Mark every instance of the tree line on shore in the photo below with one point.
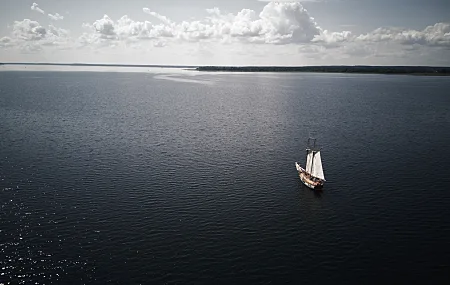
(426, 70)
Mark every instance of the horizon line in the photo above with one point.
(193, 66)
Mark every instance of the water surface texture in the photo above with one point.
(128, 178)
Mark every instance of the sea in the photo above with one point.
(173, 176)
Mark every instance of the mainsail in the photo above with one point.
(317, 170)
(309, 161)
(314, 164)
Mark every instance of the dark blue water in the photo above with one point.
(128, 178)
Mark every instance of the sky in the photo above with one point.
(244, 32)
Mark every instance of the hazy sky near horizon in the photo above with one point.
(246, 32)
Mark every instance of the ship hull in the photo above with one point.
(315, 185)
(310, 184)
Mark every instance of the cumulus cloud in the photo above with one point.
(333, 39)
(35, 7)
(437, 35)
(105, 27)
(55, 17)
(28, 30)
(279, 23)
(101, 33)
(6, 42)
(292, 1)
(105, 32)
(288, 21)
(56, 36)
(30, 36)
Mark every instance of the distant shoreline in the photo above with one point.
(412, 70)
(356, 69)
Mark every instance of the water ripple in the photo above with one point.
(126, 178)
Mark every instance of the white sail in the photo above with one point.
(309, 161)
(317, 170)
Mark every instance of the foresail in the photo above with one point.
(309, 161)
(317, 170)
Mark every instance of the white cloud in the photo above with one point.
(162, 18)
(30, 36)
(105, 28)
(286, 23)
(28, 30)
(292, 1)
(278, 23)
(437, 35)
(280, 31)
(6, 42)
(56, 17)
(106, 32)
(35, 7)
(213, 11)
(56, 36)
(100, 33)
(333, 39)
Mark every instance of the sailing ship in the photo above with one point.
(312, 175)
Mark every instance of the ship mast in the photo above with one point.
(312, 157)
